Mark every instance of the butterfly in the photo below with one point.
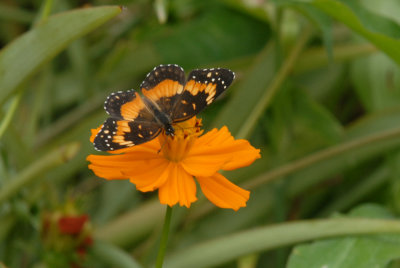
(168, 98)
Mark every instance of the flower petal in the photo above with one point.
(179, 187)
(148, 175)
(140, 161)
(222, 192)
(243, 155)
(200, 165)
(107, 172)
(238, 153)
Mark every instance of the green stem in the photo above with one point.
(315, 58)
(164, 238)
(322, 155)
(356, 193)
(10, 113)
(31, 173)
(275, 85)
(46, 10)
(160, 7)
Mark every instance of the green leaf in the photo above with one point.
(374, 123)
(346, 252)
(113, 256)
(323, 21)
(215, 36)
(387, 8)
(346, 15)
(377, 81)
(371, 211)
(31, 173)
(371, 138)
(120, 231)
(301, 126)
(218, 251)
(360, 251)
(23, 57)
(314, 119)
(116, 195)
(372, 20)
(255, 94)
(257, 80)
(358, 192)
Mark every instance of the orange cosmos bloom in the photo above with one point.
(170, 163)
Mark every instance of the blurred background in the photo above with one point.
(317, 90)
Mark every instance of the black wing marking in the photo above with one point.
(119, 134)
(161, 73)
(115, 100)
(201, 89)
(104, 138)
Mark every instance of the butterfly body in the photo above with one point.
(163, 119)
(168, 98)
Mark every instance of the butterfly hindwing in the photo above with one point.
(136, 132)
(118, 134)
(104, 138)
(201, 89)
(127, 105)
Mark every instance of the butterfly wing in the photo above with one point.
(120, 134)
(130, 122)
(163, 85)
(201, 89)
(115, 100)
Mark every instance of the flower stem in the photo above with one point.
(10, 113)
(31, 173)
(164, 238)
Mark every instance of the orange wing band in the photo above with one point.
(130, 110)
(166, 88)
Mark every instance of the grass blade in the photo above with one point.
(44, 42)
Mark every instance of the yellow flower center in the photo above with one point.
(175, 148)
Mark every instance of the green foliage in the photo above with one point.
(317, 90)
(360, 251)
(214, 252)
(31, 50)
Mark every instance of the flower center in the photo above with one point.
(175, 148)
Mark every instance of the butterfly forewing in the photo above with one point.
(163, 84)
(201, 89)
(115, 100)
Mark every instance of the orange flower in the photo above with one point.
(170, 163)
